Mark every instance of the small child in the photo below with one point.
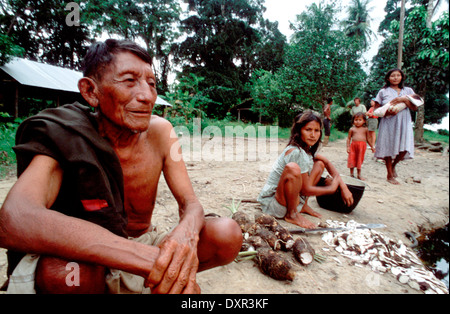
(358, 137)
(394, 109)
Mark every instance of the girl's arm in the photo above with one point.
(310, 189)
(349, 140)
(347, 196)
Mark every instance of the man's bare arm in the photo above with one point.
(27, 225)
(177, 266)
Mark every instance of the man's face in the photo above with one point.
(127, 92)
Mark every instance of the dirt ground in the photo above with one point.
(420, 203)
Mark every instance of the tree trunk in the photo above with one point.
(418, 128)
(420, 116)
(400, 36)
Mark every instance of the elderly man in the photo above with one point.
(84, 199)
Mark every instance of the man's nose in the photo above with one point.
(145, 93)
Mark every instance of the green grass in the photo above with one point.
(431, 136)
(283, 133)
(8, 132)
(7, 141)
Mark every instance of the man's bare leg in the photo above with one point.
(220, 242)
(54, 277)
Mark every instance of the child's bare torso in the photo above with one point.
(359, 134)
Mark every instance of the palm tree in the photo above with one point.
(357, 24)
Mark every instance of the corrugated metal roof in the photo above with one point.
(31, 73)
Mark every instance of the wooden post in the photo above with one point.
(400, 36)
(16, 102)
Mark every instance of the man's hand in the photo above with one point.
(176, 267)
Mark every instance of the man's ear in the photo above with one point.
(89, 90)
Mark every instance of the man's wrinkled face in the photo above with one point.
(127, 92)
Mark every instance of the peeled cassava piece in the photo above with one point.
(303, 251)
(286, 239)
(275, 265)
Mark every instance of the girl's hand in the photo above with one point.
(334, 184)
(347, 196)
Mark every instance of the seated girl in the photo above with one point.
(296, 173)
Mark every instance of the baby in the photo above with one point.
(394, 109)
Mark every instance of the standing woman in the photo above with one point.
(395, 140)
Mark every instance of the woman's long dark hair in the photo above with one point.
(299, 123)
(386, 78)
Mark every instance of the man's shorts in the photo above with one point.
(22, 280)
(327, 126)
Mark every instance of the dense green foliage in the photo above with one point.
(425, 59)
(224, 53)
(7, 140)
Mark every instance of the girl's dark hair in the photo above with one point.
(386, 78)
(101, 54)
(300, 121)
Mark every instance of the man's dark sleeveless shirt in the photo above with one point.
(92, 186)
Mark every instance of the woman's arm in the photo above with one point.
(405, 100)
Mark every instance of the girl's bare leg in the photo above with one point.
(359, 174)
(316, 173)
(288, 192)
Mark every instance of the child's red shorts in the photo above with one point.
(356, 155)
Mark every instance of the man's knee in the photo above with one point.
(223, 236)
(58, 276)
